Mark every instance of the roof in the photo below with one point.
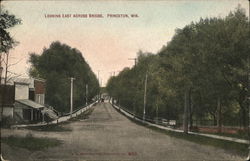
(30, 103)
(14, 80)
(22, 80)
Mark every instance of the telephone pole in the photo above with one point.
(145, 97)
(134, 99)
(99, 85)
(71, 95)
(135, 59)
(111, 74)
(248, 89)
(86, 94)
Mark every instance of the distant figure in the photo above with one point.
(102, 99)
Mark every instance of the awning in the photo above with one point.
(30, 104)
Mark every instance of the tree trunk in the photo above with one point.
(243, 114)
(244, 119)
(185, 116)
(1, 69)
(190, 109)
(243, 108)
(3, 90)
(2, 94)
(215, 121)
(219, 120)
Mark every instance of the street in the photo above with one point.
(108, 135)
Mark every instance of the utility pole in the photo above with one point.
(99, 84)
(145, 97)
(248, 89)
(71, 95)
(111, 74)
(86, 94)
(135, 59)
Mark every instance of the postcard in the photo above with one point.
(125, 80)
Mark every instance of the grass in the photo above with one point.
(82, 116)
(50, 128)
(239, 135)
(31, 143)
(232, 147)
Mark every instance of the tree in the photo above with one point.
(56, 65)
(206, 62)
(6, 43)
(7, 21)
(215, 60)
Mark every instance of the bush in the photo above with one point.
(194, 129)
(7, 122)
(243, 133)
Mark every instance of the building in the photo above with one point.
(25, 101)
(8, 99)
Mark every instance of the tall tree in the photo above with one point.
(206, 61)
(7, 21)
(56, 65)
(7, 42)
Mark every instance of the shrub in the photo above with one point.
(7, 122)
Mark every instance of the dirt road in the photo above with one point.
(108, 135)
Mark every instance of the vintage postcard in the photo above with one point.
(125, 80)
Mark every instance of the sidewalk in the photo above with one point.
(242, 141)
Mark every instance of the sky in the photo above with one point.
(106, 43)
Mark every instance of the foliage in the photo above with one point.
(56, 65)
(50, 128)
(7, 21)
(7, 122)
(209, 59)
(31, 143)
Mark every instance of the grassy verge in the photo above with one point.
(239, 135)
(83, 116)
(231, 147)
(31, 143)
(51, 128)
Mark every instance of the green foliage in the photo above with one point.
(56, 65)
(6, 122)
(31, 143)
(208, 58)
(50, 128)
(7, 21)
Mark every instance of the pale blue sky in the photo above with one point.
(106, 43)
